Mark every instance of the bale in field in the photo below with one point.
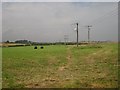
(35, 47)
(41, 47)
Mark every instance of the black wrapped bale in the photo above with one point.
(41, 47)
(35, 47)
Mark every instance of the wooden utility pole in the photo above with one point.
(77, 34)
(76, 29)
(89, 33)
(65, 39)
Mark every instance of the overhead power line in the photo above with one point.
(103, 17)
(99, 19)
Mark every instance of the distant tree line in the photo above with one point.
(27, 42)
(23, 41)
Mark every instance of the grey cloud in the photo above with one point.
(0, 22)
(47, 22)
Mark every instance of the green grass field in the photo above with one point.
(60, 66)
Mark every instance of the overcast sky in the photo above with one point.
(50, 21)
(60, 0)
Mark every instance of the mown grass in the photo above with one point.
(60, 66)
